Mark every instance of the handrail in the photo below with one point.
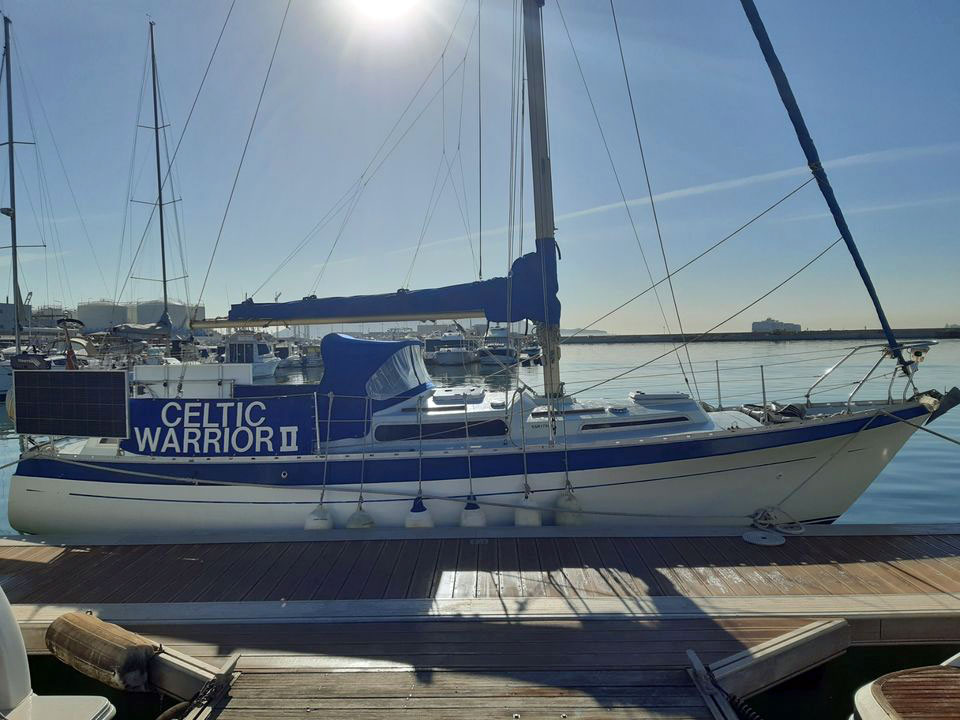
(918, 345)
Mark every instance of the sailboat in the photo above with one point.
(376, 443)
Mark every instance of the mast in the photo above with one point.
(813, 161)
(548, 332)
(165, 318)
(11, 212)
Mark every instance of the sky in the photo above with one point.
(875, 79)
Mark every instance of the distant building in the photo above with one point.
(149, 311)
(431, 328)
(46, 316)
(581, 331)
(8, 317)
(104, 314)
(99, 315)
(770, 325)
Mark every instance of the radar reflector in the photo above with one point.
(78, 403)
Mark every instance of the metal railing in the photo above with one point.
(917, 350)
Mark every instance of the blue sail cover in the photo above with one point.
(360, 377)
(528, 299)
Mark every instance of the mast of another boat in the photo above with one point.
(11, 211)
(165, 318)
(548, 331)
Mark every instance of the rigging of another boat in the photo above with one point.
(375, 442)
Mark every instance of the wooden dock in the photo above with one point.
(449, 623)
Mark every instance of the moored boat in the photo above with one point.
(375, 439)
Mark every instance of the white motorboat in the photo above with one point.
(448, 349)
(253, 349)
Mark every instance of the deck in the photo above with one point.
(444, 623)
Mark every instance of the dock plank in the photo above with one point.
(424, 580)
(379, 579)
(509, 574)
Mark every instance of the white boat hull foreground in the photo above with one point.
(814, 481)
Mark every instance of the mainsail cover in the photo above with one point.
(523, 295)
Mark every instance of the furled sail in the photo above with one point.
(523, 295)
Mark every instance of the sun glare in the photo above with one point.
(383, 10)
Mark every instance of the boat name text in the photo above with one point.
(229, 426)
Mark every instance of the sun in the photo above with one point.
(383, 10)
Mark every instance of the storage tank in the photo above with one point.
(103, 314)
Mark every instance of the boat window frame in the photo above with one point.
(493, 427)
(637, 422)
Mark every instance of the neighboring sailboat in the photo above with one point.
(6, 369)
(375, 437)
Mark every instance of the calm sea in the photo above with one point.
(919, 484)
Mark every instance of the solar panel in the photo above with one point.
(81, 403)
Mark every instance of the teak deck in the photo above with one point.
(517, 621)
(482, 568)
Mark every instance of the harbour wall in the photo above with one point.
(858, 335)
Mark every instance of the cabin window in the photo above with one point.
(402, 371)
(494, 427)
(240, 353)
(634, 423)
(262, 349)
(575, 411)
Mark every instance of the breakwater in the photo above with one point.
(858, 335)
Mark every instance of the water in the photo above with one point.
(918, 486)
(826, 691)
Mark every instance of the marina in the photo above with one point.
(346, 495)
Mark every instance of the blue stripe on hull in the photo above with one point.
(392, 469)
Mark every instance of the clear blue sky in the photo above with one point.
(877, 81)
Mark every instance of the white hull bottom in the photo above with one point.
(718, 490)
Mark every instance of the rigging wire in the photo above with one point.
(128, 194)
(459, 161)
(176, 149)
(45, 198)
(56, 147)
(243, 155)
(427, 216)
(653, 206)
(479, 144)
(616, 175)
(362, 183)
(369, 171)
(691, 261)
(178, 219)
(725, 320)
(350, 207)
